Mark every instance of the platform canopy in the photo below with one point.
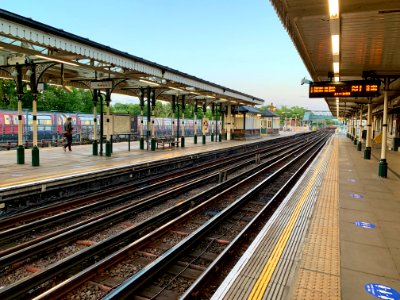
(79, 61)
(360, 40)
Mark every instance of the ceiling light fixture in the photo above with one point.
(336, 67)
(174, 88)
(149, 82)
(334, 9)
(57, 60)
(335, 44)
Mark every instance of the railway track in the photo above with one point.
(26, 197)
(121, 199)
(148, 228)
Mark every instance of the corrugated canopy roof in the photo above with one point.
(77, 61)
(369, 41)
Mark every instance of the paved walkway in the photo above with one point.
(368, 255)
(54, 162)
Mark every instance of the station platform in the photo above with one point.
(336, 236)
(55, 163)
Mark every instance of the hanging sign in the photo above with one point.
(205, 125)
(101, 85)
(355, 88)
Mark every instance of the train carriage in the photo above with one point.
(51, 126)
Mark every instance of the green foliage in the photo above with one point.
(133, 109)
(56, 98)
(290, 112)
(162, 110)
(8, 96)
(52, 98)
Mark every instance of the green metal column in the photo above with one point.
(108, 135)
(173, 106)
(195, 122)
(153, 107)
(35, 149)
(229, 122)
(183, 121)
(203, 127)
(141, 97)
(20, 92)
(212, 119)
(101, 137)
(220, 123)
(95, 146)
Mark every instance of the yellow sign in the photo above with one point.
(205, 125)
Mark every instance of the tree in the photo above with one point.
(294, 112)
(8, 95)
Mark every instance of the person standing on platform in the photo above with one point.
(68, 133)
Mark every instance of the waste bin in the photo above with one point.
(396, 143)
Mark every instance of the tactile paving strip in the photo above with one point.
(266, 269)
(319, 271)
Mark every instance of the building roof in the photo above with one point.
(268, 113)
(248, 109)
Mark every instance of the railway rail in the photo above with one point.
(110, 250)
(26, 197)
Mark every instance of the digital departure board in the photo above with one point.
(355, 88)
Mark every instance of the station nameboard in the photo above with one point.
(354, 88)
(101, 84)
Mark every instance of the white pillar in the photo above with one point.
(369, 127)
(360, 126)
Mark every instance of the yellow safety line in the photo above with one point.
(266, 274)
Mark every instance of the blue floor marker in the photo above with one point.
(382, 291)
(358, 196)
(364, 224)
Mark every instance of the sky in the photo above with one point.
(239, 44)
